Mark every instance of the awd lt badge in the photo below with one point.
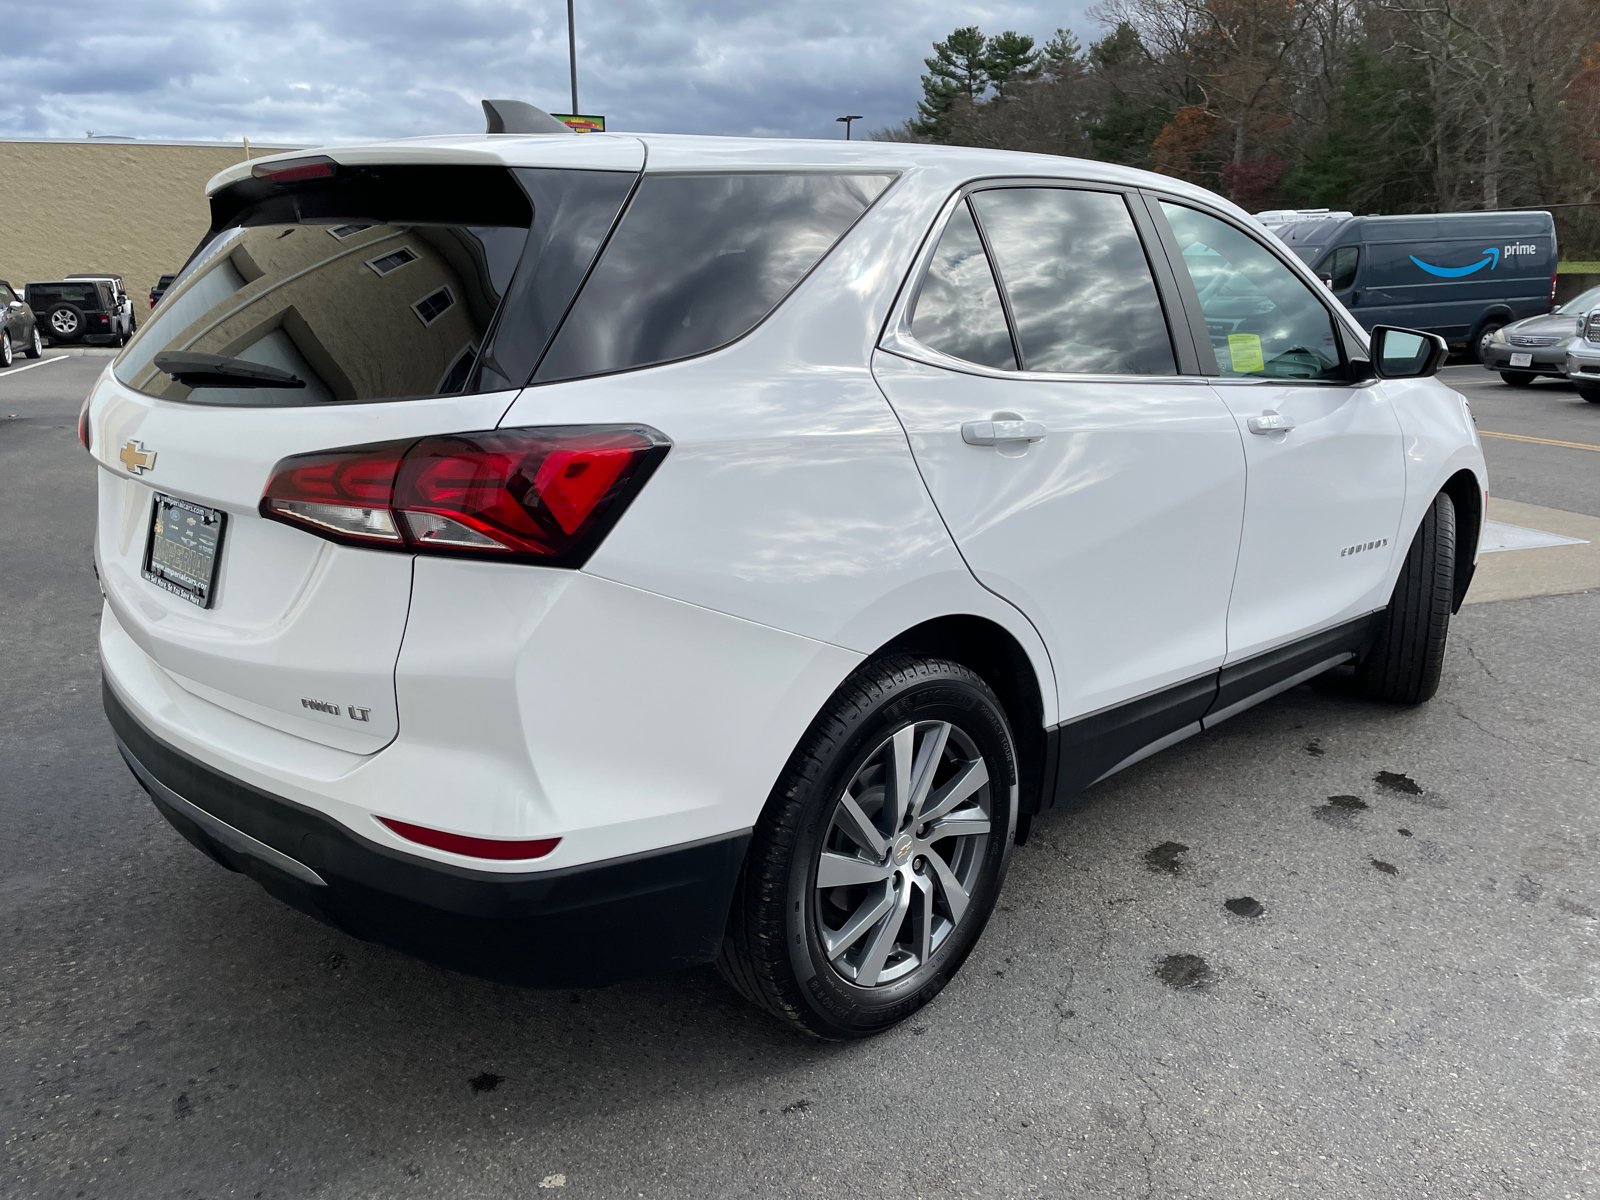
(136, 458)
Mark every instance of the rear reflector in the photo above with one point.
(530, 495)
(472, 847)
(294, 169)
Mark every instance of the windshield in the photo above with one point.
(1307, 254)
(1581, 303)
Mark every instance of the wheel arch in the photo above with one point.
(991, 650)
(1466, 494)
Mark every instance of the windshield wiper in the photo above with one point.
(213, 370)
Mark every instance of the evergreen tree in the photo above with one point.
(958, 68)
(1010, 60)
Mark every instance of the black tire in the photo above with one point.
(65, 322)
(774, 954)
(34, 348)
(1479, 345)
(1592, 395)
(1405, 662)
(1517, 378)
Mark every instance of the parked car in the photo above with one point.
(18, 328)
(77, 310)
(160, 288)
(1460, 275)
(1583, 356)
(1534, 346)
(126, 323)
(603, 565)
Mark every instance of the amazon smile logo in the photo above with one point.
(1491, 260)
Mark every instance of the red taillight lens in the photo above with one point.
(85, 430)
(295, 169)
(1554, 279)
(541, 495)
(473, 847)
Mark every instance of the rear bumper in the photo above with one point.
(581, 926)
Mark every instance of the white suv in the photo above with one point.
(568, 558)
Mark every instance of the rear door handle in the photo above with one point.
(1270, 422)
(990, 433)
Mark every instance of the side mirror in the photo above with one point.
(1407, 353)
(1327, 279)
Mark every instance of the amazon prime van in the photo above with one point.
(1460, 275)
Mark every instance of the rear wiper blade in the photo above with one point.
(214, 370)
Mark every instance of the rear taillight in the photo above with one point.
(85, 430)
(472, 847)
(1553, 280)
(528, 495)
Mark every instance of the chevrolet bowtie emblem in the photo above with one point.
(136, 458)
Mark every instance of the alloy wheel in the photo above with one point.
(7, 356)
(903, 852)
(64, 322)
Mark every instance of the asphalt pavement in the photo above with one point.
(1411, 1012)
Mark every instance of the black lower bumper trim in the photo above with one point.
(580, 926)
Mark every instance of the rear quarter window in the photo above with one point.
(697, 261)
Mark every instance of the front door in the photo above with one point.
(1082, 477)
(1325, 464)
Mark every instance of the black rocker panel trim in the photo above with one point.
(1081, 751)
(1090, 746)
(1241, 680)
(581, 926)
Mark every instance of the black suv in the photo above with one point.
(77, 310)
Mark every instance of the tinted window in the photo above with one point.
(1342, 264)
(1262, 319)
(699, 260)
(1080, 288)
(414, 304)
(5, 294)
(958, 308)
(290, 296)
(83, 295)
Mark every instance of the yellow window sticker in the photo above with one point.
(1245, 351)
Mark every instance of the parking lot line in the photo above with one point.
(31, 366)
(1522, 437)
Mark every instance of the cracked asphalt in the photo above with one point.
(1329, 949)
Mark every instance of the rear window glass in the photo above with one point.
(81, 294)
(698, 261)
(367, 290)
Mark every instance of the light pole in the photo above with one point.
(572, 57)
(845, 120)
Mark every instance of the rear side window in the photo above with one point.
(1081, 292)
(698, 261)
(1263, 321)
(958, 310)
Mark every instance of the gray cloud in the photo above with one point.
(297, 72)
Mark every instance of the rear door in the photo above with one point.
(1083, 476)
(1326, 469)
(377, 329)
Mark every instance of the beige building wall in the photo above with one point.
(134, 209)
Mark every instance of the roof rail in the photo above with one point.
(518, 116)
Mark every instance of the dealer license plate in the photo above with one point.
(181, 556)
(1522, 360)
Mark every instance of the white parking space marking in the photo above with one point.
(43, 363)
(1497, 536)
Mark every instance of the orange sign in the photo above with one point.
(581, 123)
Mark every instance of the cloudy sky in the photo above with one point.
(297, 72)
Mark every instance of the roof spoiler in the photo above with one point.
(518, 116)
